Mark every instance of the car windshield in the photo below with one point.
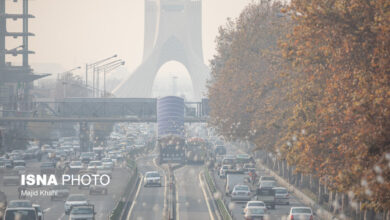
(14, 204)
(82, 211)
(268, 183)
(301, 211)
(48, 164)
(152, 175)
(250, 204)
(241, 188)
(77, 198)
(76, 163)
(281, 191)
(256, 211)
(20, 215)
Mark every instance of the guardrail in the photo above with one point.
(122, 207)
(224, 212)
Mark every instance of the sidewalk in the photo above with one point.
(322, 213)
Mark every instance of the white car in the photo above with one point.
(74, 200)
(94, 165)
(20, 169)
(86, 212)
(301, 213)
(223, 170)
(260, 204)
(108, 163)
(241, 193)
(152, 178)
(76, 164)
(281, 196)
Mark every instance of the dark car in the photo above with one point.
(48, 168)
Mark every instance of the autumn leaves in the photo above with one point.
(321, 67)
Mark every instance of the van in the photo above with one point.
(233, 179)
(22, 213)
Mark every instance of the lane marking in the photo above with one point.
(165, 184)
(177, 200)
(62, 216)
(135, 198)
(206, 198)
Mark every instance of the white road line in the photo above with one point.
(177, 203)
(63, 215)
(135, 198)
(206, 198)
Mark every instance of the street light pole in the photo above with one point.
(107, 68)
(93, 65)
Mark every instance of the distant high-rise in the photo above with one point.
(173, 31)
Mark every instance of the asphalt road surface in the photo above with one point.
(191, 203)
(149, 201)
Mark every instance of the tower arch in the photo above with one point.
(172, 32)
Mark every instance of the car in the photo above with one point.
(20, 213)
(86, 157)
(19, 163)
(48, 168)
(60, 192)
(98, 189)
(241, 193)
(228, 161)
(243, 158)
(152, 178)
(220, 150)
(76, 165)
(223, 170)
(281, 196)
(11, 178)
(20, 169)
(94, 165)
(267, 195)
(74, 199)
(300, 213)
(249, 204)
(255, 213)
(108, 163)
(266, 178)
(81, 212)
(267, 184)
(19, 204)
(39, 211)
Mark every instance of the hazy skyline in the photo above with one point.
(75, 32)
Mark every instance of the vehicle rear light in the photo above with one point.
(292, 217)
(311, 217)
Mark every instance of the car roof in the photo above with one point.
(279, 187)
(21, 208)
(151, 172)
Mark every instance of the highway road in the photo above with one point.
(191, 203)
(149, 202)
(279, 213)
(54, 210)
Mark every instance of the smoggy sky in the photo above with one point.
(74, 32)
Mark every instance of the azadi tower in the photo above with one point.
(173, 32)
